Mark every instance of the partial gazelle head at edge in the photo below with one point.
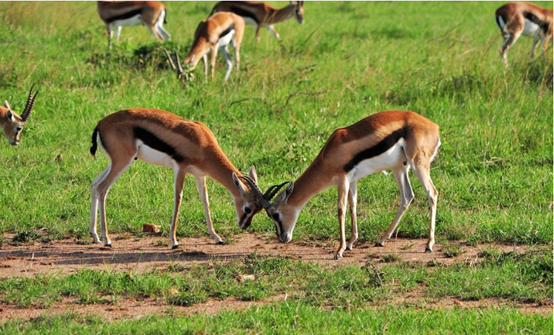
(12, 123)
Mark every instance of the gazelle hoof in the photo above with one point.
(175, 246)
(219, 242)
(428, 250)
(379, 244)
(108, 245)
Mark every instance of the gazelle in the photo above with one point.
(260, 14)
(218, 31)
(162, 138)
(394, 140)
(116, 14)
(521, 18)
(12, 124)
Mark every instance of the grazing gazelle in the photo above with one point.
(162, 138)
(521, 18)
(116, 14)
(395, 140)
(218, 31)
(260, 14)
(12, 124)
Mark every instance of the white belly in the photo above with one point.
(153, 156)
(530, 28)
(389, 159)
(225, 40)
(132, 21)
(249, 21)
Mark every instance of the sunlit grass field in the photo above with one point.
(349, 60)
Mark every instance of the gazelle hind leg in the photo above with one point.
(352, 201)
(94, 204)
(406, 197)
(177, 197)
(203, 191)
(110, 176)
(228, 61)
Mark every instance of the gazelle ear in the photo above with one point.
(288, 190)
(253, 175)
(238, 184)
(7, 105)
(9, 114)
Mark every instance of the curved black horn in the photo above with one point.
(30, 104)
(272, 191)
(249, 181)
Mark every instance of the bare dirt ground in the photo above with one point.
(142, 253)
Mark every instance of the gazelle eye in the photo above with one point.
(247, 210)
(276, 216)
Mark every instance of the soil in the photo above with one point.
(142, 253)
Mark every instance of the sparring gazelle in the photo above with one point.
(116, 14)
(162, 138)
(260, 14)
(395, 140)
(218, 31)
(521, 18)
(12, 124)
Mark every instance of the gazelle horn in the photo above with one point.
(265, 204)
(30, 104)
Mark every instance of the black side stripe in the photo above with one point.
(156, 143)
(377, 149)
(244, 13)
(125, 16)
(533, 18)
(227, 31)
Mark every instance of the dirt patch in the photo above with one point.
(143, 253)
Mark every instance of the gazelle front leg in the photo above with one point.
(201, 185)
(352, 202)
(178, 195)
(341, 208)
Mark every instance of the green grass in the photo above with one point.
(349, 60)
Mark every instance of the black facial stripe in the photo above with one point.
(227, 31)
(377, 149)
(244, 13)
(156, 143)
(244, 217)
(124, 16)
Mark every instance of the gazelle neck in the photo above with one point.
(276, 15)
(221, 169)
(310, 183)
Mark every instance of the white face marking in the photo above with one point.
(385, 161)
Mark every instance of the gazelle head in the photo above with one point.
(248, 204)
(283, 215)
(12, 124)
(185, 75)
(298, 11)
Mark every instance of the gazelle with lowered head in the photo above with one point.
(162, 138)
(12, 124)
(396, 140)
(522, 18)
(116, 14)
(260, 14)
(216, 32)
